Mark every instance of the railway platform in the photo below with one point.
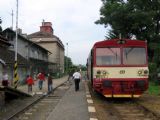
(73, 105)
(22, 90)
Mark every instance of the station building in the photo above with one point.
(46, 38)
(31, 57)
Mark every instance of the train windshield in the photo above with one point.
(108, 56)
(134, 56)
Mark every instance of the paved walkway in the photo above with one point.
(73, 106)
(35, 89)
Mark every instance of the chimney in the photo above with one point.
(46, 27)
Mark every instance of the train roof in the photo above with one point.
(120, 42)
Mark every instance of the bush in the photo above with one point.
(153, 89)
(152, 71)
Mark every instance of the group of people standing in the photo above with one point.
(30, 81)
(41, 78)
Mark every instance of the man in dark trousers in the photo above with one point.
(77, 78)
(41, 78)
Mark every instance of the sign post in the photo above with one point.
(15, 82)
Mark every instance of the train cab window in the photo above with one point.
(108, 56)
(134, 56)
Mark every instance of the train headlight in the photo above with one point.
(140, 72)
(101, 74)
(143, 72)
(98, 72)
(146, 72)
(104, 72)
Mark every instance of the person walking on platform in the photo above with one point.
(41, 78)
(30, 82)
(77, 78)
(5, 81)
(50, 83)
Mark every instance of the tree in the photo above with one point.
(67, 63)
(114, 13)
(126, 18)
(140, 18)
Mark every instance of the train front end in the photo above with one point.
(120, 69)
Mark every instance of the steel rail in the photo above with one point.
(33, 103)
(148, 110)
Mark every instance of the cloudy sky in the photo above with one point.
(72, 21)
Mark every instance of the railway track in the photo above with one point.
(40, 108)
(121, 109)
(132, 111)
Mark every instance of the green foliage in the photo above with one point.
(83, 68)
(113, 13)
(67, 63)
(153, 71)
(152, 67)
(156, 48)
(126, 18)
(153, 89)
(133, 17)
(70, 68)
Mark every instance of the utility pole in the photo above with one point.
(12, 18)
(15, 82)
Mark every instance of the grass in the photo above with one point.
(154, 89)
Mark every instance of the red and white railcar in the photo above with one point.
(119, 67)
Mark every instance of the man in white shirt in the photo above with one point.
(77, 78)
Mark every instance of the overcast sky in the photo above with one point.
(72, 21)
